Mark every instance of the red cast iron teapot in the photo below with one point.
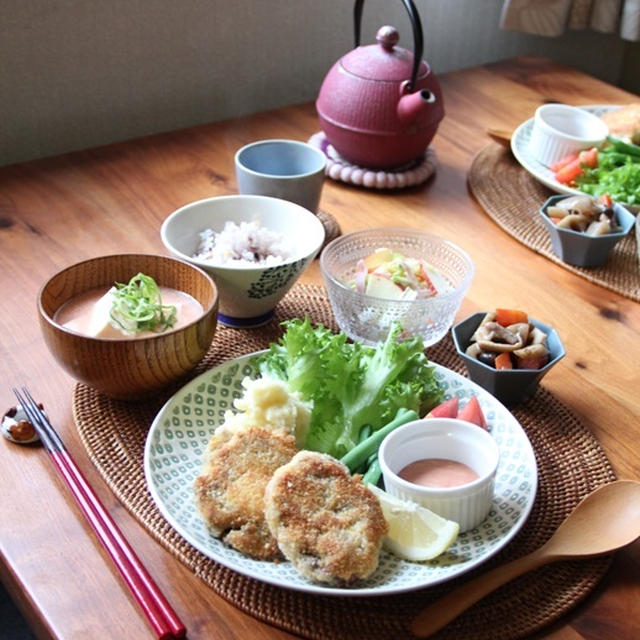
(380, 105)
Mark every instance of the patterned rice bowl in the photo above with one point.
(248, 293)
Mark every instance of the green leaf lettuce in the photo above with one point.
(350, 384)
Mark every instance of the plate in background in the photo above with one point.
(520, 149)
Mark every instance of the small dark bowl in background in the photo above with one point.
(509, 386)
(579, 249)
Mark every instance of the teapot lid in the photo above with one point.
(383, 61)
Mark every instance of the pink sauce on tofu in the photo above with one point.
(438, 472)
(88, 314)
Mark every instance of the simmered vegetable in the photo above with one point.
(585, 214)
(519, 345)
(505, 317)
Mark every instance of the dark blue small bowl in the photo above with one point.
(510, 386)
(579, 249)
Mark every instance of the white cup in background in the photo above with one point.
(560, 130)
(286, 169)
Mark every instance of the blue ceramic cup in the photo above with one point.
(286, 169)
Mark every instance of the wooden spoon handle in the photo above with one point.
(439, 613)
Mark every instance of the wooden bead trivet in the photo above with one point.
(340, 169)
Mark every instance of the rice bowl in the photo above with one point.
(249, 290)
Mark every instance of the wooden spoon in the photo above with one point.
(605, 520)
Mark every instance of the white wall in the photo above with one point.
(80, 73)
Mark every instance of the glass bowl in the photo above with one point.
(368, 318)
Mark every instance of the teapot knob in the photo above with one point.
(387, 37)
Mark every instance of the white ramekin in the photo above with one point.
(448, 438)
(560, 130)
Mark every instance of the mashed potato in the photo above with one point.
(268, 404)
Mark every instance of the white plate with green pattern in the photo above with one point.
(179, 435)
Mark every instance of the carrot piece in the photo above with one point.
(605, 199)
(427, 281)
(503, 361)
(556, 166)
(505, 317)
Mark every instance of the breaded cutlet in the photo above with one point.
(230, 491)
(327, 523)
(624, 122)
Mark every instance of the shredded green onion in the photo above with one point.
(137, 306)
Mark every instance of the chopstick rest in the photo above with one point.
(155, 606)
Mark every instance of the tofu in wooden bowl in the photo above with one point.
(128, 325)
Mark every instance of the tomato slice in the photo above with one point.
(447, 409)
(569, 172)
(589, 158)
(471, 412)
(556, 166)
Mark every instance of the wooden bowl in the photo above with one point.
(129, 368)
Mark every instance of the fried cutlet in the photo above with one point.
(327, 523)
(624, 122)
(230, 491)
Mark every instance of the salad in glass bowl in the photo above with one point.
(375, 277)
(390, 274)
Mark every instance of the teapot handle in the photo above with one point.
(417, 35)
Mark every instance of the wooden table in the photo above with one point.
(57, 211)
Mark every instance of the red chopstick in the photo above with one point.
(157, 609)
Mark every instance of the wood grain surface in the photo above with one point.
(61, 210)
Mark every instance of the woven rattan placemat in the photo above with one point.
(570, 461)
(511, 197)
(331, 228)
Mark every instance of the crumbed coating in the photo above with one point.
(327, 523)
(230, 491)
(624, 121)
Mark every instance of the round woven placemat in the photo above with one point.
(570, 463)
(331, 228)
(511, 197)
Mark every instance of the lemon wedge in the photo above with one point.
(415, 533)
